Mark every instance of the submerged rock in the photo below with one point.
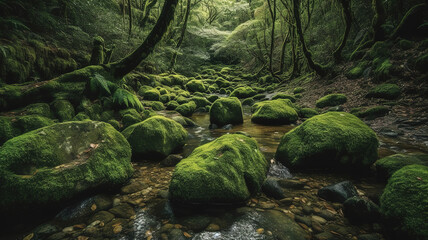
(332, 140)
(404, 202)
(226, 111)
(275, 112)
(58, 162)
(228, 170)
(157, 136)
(272, 189)
(339, 192)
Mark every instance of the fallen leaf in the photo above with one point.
(260, 231)
(80, 226)
(29, 236)
(94, 207)
(117, 228)
(82, 238)
(187, 235)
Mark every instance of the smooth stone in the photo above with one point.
(305, 220)
(46, 230)
(370, 236)
(102, 216)
(327, 215)
(163, 194)
(196, 223)
(319, 219)
(68, 229)
(307, 210)
(272, 189)
(274, 221)
(361, 210)
(112, 228)
(57, 236)
(213, 228)
(286, 201)
(291, 184)
(123, 210)
(325, 236)
(132, 188)
(171, 160)
(176, 234)
(339, 192)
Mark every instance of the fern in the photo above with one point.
(99, 85)
(123, 97)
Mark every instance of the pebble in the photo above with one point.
(213, 227)
(116, 202)
(286, 201)
(319, 219)
(260, 231)
(68, 229)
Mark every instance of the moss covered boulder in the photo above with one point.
(226, 111)
(404, 203)
(157, 136)
(228, 170)
(275, 112)
(333, 140)
(152, 95)
(186, 109)
(243, 92)
(195, 86)
(11, 127)
(331, 100)
(63, 110)
(308, 112)
(386, 166)
(55, 163)
(386, 91)
(284, 96)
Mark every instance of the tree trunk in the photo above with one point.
(320, 70)
(378, 20)
(130, 18)
(272, 10)
(346, 11)
(146, 12)
(282, 61)
(183, 33)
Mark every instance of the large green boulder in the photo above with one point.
(195, 86)
(157, 136)
(63, 110)
(226, 111)
(386, 91)
(334, 140)
(243, 92)
(275, 112)
(284, 96)
(186, 109)
(404, 203)
(331, 100)
(227, 170)
(152, 95)
(386, 166)
(11, 127)
(56, 163)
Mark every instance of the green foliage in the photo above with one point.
(404, 202)
(386, 91)
(227, 170)
(125, 99)
(382, 69)
(99, 86)
(386, 166)
(331, 100)
(335, 140)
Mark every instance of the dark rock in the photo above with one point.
(57, 236)
(45, 230)
(307, 210)
(213, 126)
(123, 210)
(176, 234)
(371, 236)
(171, 160)
(84, 208)
(305, 220)
(325, 236)
(196, 223)
(275, 221)
(272, 189)
(102, 216)
(291, 184)
(133, 187)
(339, 192)
(227, 127)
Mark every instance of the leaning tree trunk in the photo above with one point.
(378, 20)
(346, 11)
(183, 33)
(272, 10)
(130, 18)
(146, 12)
(73, 83)
(320, 70)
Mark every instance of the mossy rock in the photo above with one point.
(165, 98)
(186, 109)
(404, 203)
(201, 101)
(386, 166)
(227, 170)
(382, 69)
(81, 116)
(405, 44)
(63, 110)
(212, 98)
(387, 91)
(422, 63)
(195, 86)
(56, 163)
(184, 121)
(144, 89)
(275, 112)
(334, 140)
(155, 105)
(298, 90)
(226, 111)
(41, 109)
(373, 112)
(129, 120)
(11, 127)
(172, 105)
(243, 92)
(284, 96)
(308, 112)
(152, 95)
(182, 100)
(248, 102)
(222, 83)
(331, 100)
(259, 97)
(156, 136)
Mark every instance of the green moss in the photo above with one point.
(107, 115)
(7, 129)
(151, 95)
(243, 92)
(298, 90)
(386, 91)
(284, 96)
(41, 109)
(81, 116)
(172, 105)
(404, 202)
(248, 102)
(382, 69)
(50, 165)
(405, 44)
(373, 112)
(163, 91)
(222, 83)
(32, 122)
(156, 136)
(182, 100)
(144, 89)
(63, 109)
(308, 112)
(155, 105)
(114, 123)
(223, 91)
(195, 86)
(266, 79)
(201, 101)
(386, 166)
(226, 111)
(422, 63)
(165, 98)
(380, 50)
(186, 109)
(274, 112)
(178, 79)
(331, 100)
(212, 98)
(334, 140)
(228, 170)
(129, 120)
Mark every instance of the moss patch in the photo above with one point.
(228, 170)
(386, 91)
(195, 86)
(226, 111)
(386, 166)
(243, 92)
(331, 100)
(186, 109)
(308, 112)
(284, 96)
(63, 109)
(275, 112)
(334, 140)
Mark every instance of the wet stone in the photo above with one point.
(133, 188)
(305, 220)
(372, 236)
(57, 236)
(319, 219)
(123, 210)
(102, 216)
(325, 236)
(291, 184)
(213, 228)
(176, 234)
(171, 160)
(339, 192)
(271, 188)
(286, 201)
(307, 210)
(46, 230)
(196, 223)
(327, 215)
